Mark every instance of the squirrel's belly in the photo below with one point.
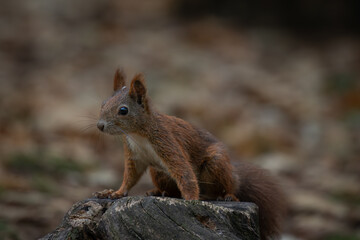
(144, 153)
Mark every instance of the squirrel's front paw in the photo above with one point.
(104, 193)
(109, 193)
(117, 195)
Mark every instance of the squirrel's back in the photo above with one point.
(253, 184)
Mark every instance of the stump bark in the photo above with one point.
(158, 218)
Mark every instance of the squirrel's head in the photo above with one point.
(127, 110)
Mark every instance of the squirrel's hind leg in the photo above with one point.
(164, 185)
(216, 178)
(231, 198)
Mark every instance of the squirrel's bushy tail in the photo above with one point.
(258, 186)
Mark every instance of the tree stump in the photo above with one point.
(158, 218)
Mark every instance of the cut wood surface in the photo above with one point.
(158, 218)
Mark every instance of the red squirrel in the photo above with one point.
(184, 161)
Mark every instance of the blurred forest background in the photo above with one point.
(277, 81)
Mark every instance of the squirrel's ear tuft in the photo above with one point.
(138, 90)
(119, 79)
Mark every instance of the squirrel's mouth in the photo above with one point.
(113, 131)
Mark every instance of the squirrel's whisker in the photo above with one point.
(84, 129)
(88, 117)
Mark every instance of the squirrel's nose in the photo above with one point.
(100, 126)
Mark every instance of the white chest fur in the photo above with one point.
(143, 152)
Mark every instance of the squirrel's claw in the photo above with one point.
(228, 198)
(110, 193)
(219, 199)
(117, 195)
(153, 192)
(156, 193)
(231, 197)
(104, 193)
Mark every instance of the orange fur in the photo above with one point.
(119, 79)
(184, 161)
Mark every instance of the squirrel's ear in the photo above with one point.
(138, 90)
(119, 79)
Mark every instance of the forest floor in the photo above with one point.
(288, 104)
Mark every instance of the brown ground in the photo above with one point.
(289, 105)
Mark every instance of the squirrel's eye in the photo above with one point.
(123, 111)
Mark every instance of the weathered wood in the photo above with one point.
(158, 218)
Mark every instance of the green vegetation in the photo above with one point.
(348, 198)
(6, 232)
(42, 164)
(44, 184)
(340, 236)
(341, 83)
